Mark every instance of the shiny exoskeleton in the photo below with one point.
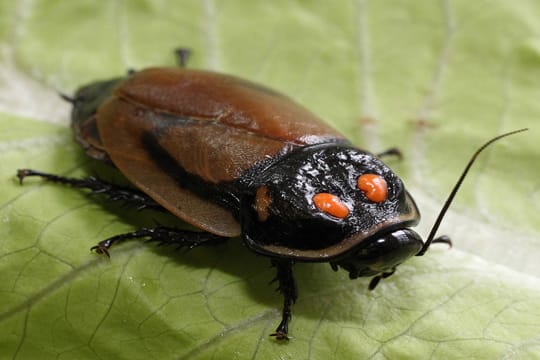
(237, 159)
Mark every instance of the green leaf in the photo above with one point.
(435, 78)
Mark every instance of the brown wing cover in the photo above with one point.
(214, 126)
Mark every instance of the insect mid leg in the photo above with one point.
(113, 191)
(287, 287)
(163, 235)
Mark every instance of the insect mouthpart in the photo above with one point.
(381, 255)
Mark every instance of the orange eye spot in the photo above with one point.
(373, 186)
(331, 204)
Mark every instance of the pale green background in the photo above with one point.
(435, 78)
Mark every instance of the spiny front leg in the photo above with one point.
(287, 287)
(163, 235)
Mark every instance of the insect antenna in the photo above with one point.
(448, 202)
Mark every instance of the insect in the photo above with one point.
(236, 159)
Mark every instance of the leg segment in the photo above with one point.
(391, 152)
(287, 287)
(163, 236)
(115, 192)
(182, 56)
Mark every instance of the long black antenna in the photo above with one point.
(448, 201)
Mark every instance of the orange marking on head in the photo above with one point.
(262, 203)
(331, 204)
(374, 187)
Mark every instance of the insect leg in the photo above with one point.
(163, 235)
(391, 152)
(114, 192)
(182, 56)
(287, 287)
